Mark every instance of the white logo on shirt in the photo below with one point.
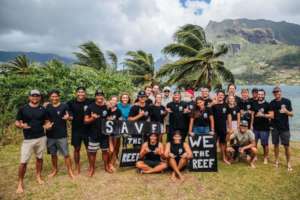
(85, 107)
(58, 112)
(104, 113)
(191, 107)
(180, 108)
(205, 115)
(234, 112)
(180, 150)
(146, 113)
(248, 107)
(161, 112)
(262, 110)
(224, 110)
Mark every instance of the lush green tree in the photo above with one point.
(113, 60)
(198, 62)
(140, 66)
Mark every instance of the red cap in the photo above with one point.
(190, 91)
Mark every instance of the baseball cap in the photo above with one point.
(244, 123)
(276, 89)
(35, 92)
(167, 89)
(141, 94)
(99, 93)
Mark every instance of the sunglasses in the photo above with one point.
(167, 91)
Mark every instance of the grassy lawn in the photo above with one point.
(237, 181)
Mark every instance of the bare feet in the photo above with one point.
(108, 170)
(252, 165)
(173, 177)
(226, 162)
(181, 178)
(40, 180)
(265, 160)
(289, 167)
(20, 188)
(71, 174)
(91, 172)
(53, 173)
(77, 170)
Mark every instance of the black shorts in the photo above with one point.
(98, 142)
(78, 138)
(282, 136)
(221, 136)
(237, 153)
(152, 163)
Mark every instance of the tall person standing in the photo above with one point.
(282, 108)
(80, 131)
(262, 114)
(58, 113)
(32, 119)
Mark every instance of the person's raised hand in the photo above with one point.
(25, 126)
(94, 115)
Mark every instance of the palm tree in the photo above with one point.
(91, 56)
(198, 64)
(20, 65)
(140, 66)
(113, 59)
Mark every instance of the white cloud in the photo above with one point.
(60, 26)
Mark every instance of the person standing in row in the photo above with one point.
(178, 112)
(80, 130)
(114, 114)
(282, 108)
(158, 113)
(32, 119)
(262, 114)
(94, 115)
(245, 106)
(234, 111)
(222, 119)
(58, 114)
(202, 119)
(231, 90)
(124, 105)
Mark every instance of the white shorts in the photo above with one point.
(36, 146)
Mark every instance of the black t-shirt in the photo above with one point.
(201, 117)
(281, 120)
(78, 109)
(116, 114)
(177, 116)
(35, 118)
(234, 112)
(157, 113)
(261, 123)
(102, 111)
(135, 110)
(207, 101)
(55, 115)
(220, 112)
(246, 106)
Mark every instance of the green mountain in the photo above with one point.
(261, 51)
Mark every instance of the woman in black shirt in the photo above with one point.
(234, 111)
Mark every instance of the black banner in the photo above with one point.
(204, 153)
(129, 157)
(109, 127)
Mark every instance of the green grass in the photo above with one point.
(237, 181)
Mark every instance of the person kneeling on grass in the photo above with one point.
(178, 153)
(242, 143)
(151, 156)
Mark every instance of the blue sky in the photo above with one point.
(56, 26)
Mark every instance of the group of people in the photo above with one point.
(238, 123)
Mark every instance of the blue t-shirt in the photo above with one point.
(124, 110)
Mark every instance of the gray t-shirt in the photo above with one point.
(242, 139)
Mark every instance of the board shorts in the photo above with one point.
(79, 137)
(263, 136)
(60, 145)
(99, 142)
(30, 146)
(237, 153)
(281, 136)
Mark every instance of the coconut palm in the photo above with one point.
(20, 65)
(113, 60)
(91, 56)
(198, 64)
(140, 66)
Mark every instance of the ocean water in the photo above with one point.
(290, 92)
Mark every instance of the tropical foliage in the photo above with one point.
(140, 66)
(198, 62)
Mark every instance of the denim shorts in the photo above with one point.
(263, 136)
(198, 130)
(58, 145)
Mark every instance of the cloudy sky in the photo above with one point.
(59, 26)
